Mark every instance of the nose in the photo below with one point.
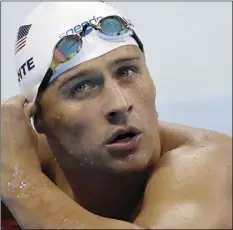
(118, 107)
(119, 115)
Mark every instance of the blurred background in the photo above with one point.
(189, 54)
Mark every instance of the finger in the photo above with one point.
(17, 101)
(29, 110)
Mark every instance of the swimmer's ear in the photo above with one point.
(38, 118)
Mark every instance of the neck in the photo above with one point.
(104, 193)
(113, 196)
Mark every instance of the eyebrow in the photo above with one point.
(123, 60)
(77, 75)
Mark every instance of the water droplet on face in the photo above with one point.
(208, 138)
(23, 184)
(16, 171)
(130, 156)
(63, 219)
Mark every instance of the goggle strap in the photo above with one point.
(45, 80)
(134, 35)
(83, 32)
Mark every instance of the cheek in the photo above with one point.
(145, 92)
(144, 101)
(75, 124)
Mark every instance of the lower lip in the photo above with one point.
(127, 145)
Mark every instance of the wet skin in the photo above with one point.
(180, 175)
(84, 108)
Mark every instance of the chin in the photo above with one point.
(133, 163)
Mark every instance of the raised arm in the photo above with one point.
(33, 199)
(38, 203)
(192, 185)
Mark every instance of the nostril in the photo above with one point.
(112, 117)
(120, 112)
(118, 115)
(130, 108)
(112, 114)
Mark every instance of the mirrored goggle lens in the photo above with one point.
(113, 26)
(67, 48)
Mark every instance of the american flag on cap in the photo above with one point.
(21, 37)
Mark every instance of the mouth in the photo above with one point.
(124, 140)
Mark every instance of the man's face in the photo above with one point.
(102, 114)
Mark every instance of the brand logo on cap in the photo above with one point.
(78, 28)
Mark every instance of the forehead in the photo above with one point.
(114, 57)
(124, 51)
(128, 51)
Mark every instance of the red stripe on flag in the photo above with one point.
(18, 45)
(20, 41)
(19, 48)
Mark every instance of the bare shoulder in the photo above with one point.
(187, 144)
(191, 186)
(175, 135)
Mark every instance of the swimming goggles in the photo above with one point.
(110, 28)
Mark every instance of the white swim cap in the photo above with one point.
(45, 26)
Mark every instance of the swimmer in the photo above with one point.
(97, 156)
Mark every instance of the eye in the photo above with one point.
(125, 72)
(83, 87)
